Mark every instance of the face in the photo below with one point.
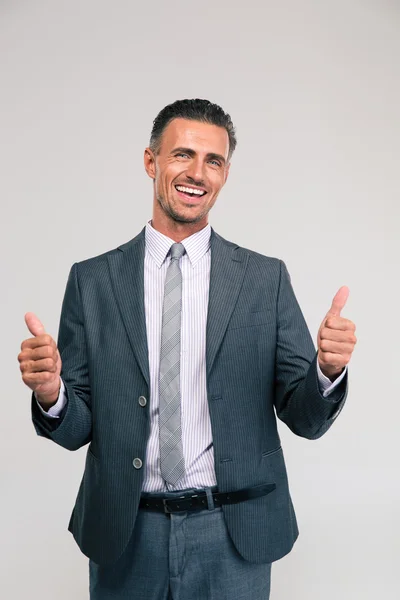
(189, 171)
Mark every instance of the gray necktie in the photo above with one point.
(171, 453)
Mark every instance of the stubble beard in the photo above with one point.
(179, 218)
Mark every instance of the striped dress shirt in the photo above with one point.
(197, 441)
(197, 444)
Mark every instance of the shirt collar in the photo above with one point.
(158, 244)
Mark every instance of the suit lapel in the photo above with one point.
(127, 275)
(228, 266)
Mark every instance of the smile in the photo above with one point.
(190, 192)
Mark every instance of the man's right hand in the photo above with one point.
(40, 363)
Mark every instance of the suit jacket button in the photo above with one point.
(137, 463)
(142, 401)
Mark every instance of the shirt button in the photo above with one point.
(137, 463)
(142, 401)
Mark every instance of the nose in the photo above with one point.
(195, 172)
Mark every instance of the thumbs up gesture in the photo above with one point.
(40, 362)
(336, 338)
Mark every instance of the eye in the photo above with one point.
(216, 162)
(182, 154)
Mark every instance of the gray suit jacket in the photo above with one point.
(260, 361)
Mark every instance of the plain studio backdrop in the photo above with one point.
(314, 91)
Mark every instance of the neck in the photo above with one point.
(176, 230)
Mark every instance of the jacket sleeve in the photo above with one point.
(298, 399)
(74, 427)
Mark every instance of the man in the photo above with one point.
(174, 351)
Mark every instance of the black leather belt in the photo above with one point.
(198, 501)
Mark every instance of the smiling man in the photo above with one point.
(176, 351)
(189, 169)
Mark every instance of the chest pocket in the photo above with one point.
(250, 319)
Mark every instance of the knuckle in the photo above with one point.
(49, 363)
(325, 345)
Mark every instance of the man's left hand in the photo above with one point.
(336, 338)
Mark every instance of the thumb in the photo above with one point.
(339, 301)
(34, 325)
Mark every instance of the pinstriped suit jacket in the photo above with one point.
(261, 362)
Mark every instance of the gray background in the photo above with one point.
(313, 88)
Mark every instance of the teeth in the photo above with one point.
(189, 190)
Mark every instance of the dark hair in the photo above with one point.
(195, 110)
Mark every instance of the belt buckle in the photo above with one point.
(168, 510)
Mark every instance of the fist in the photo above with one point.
(336, 338)
(40, 362)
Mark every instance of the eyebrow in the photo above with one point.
(210, 155)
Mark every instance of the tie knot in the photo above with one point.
(177, 250)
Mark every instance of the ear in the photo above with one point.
(150, 163)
